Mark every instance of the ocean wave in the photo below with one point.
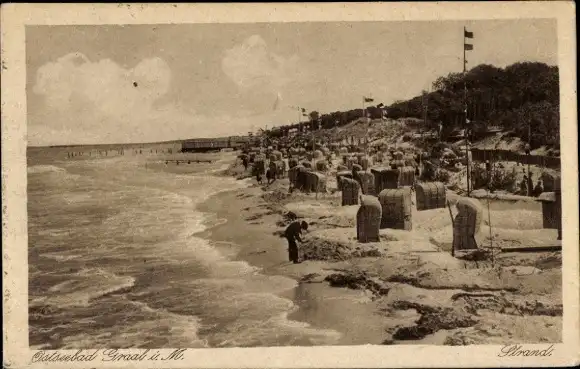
(225, 164)
(148, 328)
(43, 346)
(245, 287)
(84, 286)
(147, 233)
(315, 336)
(212, 185)
(238, 268)
(167, 227)
(60, 256)
(212, 221)
(44, 169)
(73, 198)
(277, 330)
(54, 232)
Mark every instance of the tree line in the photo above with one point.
(522, 98)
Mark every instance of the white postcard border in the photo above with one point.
(14, 177)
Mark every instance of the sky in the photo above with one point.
(147, 83)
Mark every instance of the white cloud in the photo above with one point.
(97, 102)
(251, 65)
(80, 101)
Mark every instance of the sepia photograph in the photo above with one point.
(294, 184)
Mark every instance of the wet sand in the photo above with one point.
(251, 225)
(410, 289)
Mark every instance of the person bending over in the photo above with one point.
(292, 234)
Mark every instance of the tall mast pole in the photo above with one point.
(299, 115)
(367, 123)
(299, 136)
(363, 101)
(425, 107)
(529, 184)
(364, 116)
(465, 117)
(313, 142)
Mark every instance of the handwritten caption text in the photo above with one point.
(110, 355)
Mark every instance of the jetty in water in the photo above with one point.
(214, 144)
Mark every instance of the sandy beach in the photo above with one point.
(407, 288)
(209, 234)
(251, 224)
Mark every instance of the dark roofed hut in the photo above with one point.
(367, 182)
(467, 224)
(385, 178)
(340, 175)
(430, 195)
(315, 182)
(350, 191)
(368, 219)
(396, 205)
(552, 211)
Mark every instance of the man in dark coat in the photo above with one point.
(538, 189)
(292, 234)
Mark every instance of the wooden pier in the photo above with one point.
(188, 161)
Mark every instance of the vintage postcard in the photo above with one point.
(290, 185)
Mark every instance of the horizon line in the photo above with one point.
(131, 143)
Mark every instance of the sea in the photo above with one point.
(114, 261)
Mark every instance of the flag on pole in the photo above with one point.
(468, 47)
(468, 34)
(277, 102)
(368, 99)
(303, 110)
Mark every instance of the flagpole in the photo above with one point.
(313, 144)
(299, 116)
(367, 135)
(465, 116)
(424, 113)
(367, 124)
